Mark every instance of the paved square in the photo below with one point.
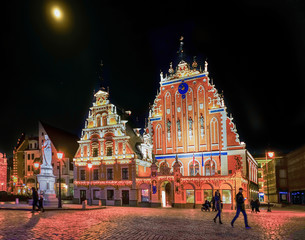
(148, 223)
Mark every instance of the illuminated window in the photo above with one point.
(194, 169)
(208, 194)
(209, 168)
(144, 195)
(190, 196)
(226, 196)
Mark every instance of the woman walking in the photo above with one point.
(217, 206)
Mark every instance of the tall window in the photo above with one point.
(109, 174)
(109, 151)
(194, 169)
(94, 149)
(125, 173)
(98, 121)
(209, 168)
(95, 174)
(159, 136)
(214, 130)
(82, 175)
(104, 119)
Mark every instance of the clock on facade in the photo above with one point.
(182, 89)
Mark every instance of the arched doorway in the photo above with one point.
(166, 194)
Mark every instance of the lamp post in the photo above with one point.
(89, 163)
(270, 155)
(59, 157)
(36, 167)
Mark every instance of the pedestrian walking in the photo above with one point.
(252, 206)
(240, 207)
(35, 199)
(213, 204)
(217, 206)
(257, 204)
(41, 201)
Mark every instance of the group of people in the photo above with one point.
(207, 205)
(240, 207)
(37, 200)
(255, 205)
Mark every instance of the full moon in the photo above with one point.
(57, 13)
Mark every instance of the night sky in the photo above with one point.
(255, 50)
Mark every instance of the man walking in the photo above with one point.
(35, 198)
(240, 207)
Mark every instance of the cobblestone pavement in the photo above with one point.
(148, 223)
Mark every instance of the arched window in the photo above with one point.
(159, 136)
(209, 168)
(194, 169)
(104, 120)
(214, 130)
(98, 121)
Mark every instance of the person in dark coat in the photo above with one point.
(257, 204)
(217, 206)
(240, 207)
(41, 201)
(213, 204)
(252, 205)
(35, 199)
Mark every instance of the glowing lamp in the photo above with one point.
(270, 154)
(89, 164)
(60, 155)
(36, 165)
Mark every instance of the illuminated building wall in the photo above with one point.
(118, 155)
(3, 172)
(189, 123)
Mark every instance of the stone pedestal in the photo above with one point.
(46, 181)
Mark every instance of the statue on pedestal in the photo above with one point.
(46, 152)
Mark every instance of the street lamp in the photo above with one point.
(36, 167)
(270, 155)
(60, 157)
(89, 164)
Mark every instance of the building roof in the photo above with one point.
(62, 140)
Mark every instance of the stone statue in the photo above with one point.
(190, 123)
(201, 120)
(178, 125)
(47, 152)
(168, 126)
